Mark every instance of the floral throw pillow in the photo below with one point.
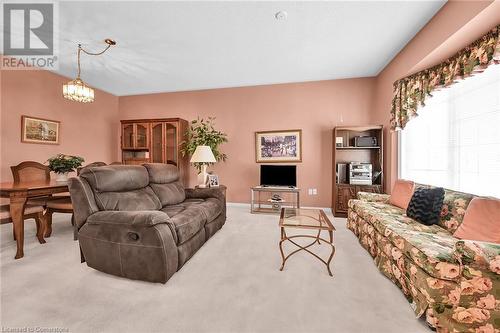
(453, 211)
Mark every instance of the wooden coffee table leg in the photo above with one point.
(17, 202)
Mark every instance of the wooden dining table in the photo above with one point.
(18, 194)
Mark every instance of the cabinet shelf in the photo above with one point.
(356, 148)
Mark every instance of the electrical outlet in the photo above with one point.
(315, 191)
(310, 191)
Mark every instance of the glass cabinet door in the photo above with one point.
(171, 143)
(128, 136)
(157, 142)
(141, 136)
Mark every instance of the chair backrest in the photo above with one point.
(164, 180)
(121, 187)
(116, 163)
(93, 164)
(30, 171)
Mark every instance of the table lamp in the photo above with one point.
(203, 155)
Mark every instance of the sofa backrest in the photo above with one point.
(454, 206)
(164, 180)
(121, 187)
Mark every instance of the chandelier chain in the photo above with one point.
(81, 49)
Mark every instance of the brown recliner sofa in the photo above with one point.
(140, 222)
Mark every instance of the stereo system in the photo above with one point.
(355, 173)
(365, 141)
(360, 173)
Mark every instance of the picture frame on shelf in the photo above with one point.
(213, 180)
(39, 130)
(278, 146)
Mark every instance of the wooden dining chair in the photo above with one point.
(30, 171)
(30, 212)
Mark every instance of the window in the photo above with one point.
(455, 140)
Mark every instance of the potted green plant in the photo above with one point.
(202, 132)
(63, 164)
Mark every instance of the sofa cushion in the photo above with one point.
(434, 253)
(164, 180)
(141, 199)
(121, 187)
(186, 222)
(429, 247)
(169, 194)
(481, 221)
(401, 193)
(114, 178)
(133, 218)
(426, 204)
(454, 206)
(161, 173)
(210, 208)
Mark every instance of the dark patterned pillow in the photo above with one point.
(425, 205)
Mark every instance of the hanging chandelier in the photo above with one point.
(76, 90)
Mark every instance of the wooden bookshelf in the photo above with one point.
(343, 192)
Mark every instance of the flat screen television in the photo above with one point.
(278, 175)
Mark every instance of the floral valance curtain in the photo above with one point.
(410, 92)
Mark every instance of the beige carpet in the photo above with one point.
(231, 285)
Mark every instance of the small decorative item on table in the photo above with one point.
(63, 164)
(213, 180)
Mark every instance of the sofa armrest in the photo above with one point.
(479, 255)
(82, 199)
(129, 218)
(205, 193)
(373, 197)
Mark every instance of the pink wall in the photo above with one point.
(87, 130)
(457, 24)
(314, 107)
(91, 130)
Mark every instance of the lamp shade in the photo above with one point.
(203, 154)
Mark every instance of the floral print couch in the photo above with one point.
(455, 283)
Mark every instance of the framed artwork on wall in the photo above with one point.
(38, 130)
(278, 146)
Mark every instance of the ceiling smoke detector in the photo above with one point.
(281, 15)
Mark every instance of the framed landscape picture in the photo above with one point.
(278, 146)
(38, 130)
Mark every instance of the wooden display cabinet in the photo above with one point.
(155, 141)
(135, 135)
(342, 191)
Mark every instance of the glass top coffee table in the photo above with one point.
(306, 219)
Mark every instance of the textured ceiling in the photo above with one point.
(176, 46)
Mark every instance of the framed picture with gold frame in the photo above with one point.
(39, 130)
(278, 146)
